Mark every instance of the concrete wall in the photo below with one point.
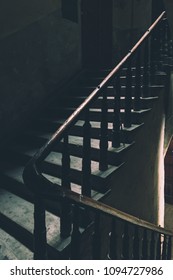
(138, 188)
(130, 19)
(169, 114)
(39, 50)
(169, 10)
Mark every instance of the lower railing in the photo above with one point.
(107, 234)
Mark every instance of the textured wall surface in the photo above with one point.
(141, 191)
(131, 18)
(36, 56)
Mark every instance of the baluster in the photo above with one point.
(154, 58)
(97, 238)
(40, 240)
(137, 244)
(116, 118)
(165, 50)
(128, 97)
(65, 164)
(146, 78)
(146, 245)
(116, 240)
(161, 42)
(165, 248)
(169, 248)
(159, 247)
(156, 46)
(65, 221)
(114, 253)
(103, 163)
(137, 100)
(86, 160)
(76, 235)
(126, 242)
(153, 247)
(171, 48)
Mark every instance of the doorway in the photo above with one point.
(96, 18)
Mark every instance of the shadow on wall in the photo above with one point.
(35, 59)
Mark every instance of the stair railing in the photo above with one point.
(33, 176)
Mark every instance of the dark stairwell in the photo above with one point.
(72, 177)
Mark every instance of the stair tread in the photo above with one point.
(99, 110)
(11, 249)
(74, 187)
(12, 170)
(21, 212)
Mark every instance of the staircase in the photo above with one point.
(74, 148)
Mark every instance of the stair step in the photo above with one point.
(101, 74)
(16, 217)
(96, 80)
(104, 72)
(86, 90)
(52, 166)
(51, 125)
(145, 102)
(75, 149)
(96, 114)
(10, 247)
(100, 180)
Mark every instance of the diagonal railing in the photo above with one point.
(143, 58)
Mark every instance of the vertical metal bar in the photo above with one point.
(97, 238)
(170, 49)
(40, 241)
(86, 160)
(169, 248)
(114, 254)
(137, 100)
(116, 139)
(75, 236)
(128, 97)
(153, 247)
(154, 53)
(103, 163)
(166, 50)
(136, 244)
(146, 78)
(65, 164)
(165, 248)
(159, 246)
(161, 42)
(65, 218)
(126, 242)
(146, 245)
(116, 240)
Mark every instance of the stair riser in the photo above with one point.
(98, 184)
(144, 103)
(159, 79)
(136, 117)
(84, 91)
(126, 136)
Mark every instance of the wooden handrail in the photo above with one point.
(82, 200)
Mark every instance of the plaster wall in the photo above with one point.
(39, 50)
(131, 18)
(141, 191)
(169, 11)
